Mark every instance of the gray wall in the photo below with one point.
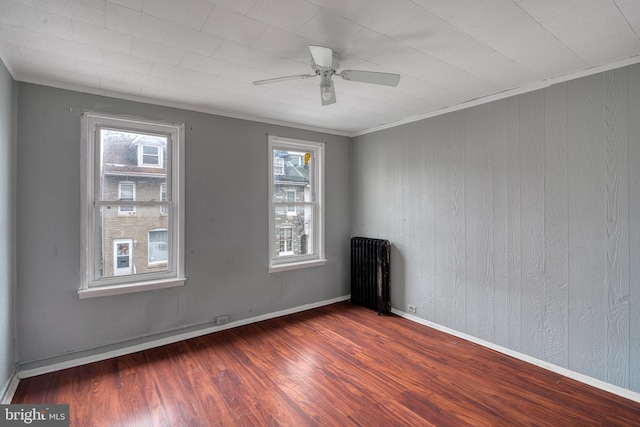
(226, 230)
(8, 143)
(518, 221)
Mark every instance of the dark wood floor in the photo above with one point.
(333, 366)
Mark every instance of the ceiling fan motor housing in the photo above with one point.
(322, 54)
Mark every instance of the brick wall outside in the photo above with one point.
(135, 226)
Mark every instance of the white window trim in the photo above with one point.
(303, 261)
(89, 285)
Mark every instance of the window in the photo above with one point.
(126, 191)
(285, 235)
(296, 212)
(158, 245)
(151, 155)
(291, 198)
(164, 209)
(278, 166)
(128, 207)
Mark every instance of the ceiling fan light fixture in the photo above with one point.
(326, 93)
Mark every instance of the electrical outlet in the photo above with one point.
(221, 320)
(411, 308)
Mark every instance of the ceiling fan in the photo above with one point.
(325, 62)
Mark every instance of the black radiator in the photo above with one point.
(370, 259)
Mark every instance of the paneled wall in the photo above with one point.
(518, 221)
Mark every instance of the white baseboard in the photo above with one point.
(27, 373)
(12, 386)
(622, 392)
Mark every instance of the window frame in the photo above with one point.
(91, 284)
(317, 257)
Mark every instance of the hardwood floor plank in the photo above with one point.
(337, 365)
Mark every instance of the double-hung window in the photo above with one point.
(126, 191)
(296, 210)
(133, 215)
(285, 237)
(150, 155)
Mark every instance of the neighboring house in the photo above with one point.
(291, 186)
(134, 236)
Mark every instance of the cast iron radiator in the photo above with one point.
(370, 259)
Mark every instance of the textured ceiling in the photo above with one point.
(204, 54)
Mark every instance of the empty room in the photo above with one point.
(319, 212)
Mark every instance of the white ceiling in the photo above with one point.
(204, 54)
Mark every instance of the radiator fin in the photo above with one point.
(370, 262)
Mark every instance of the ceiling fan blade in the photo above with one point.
(374, 77)
(322, 56)
(283, 79)
(327, 93)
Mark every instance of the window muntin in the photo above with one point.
(296, 209)
(114, 186)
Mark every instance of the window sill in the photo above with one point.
(104, 291)
(296, 265)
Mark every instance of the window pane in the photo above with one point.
(293, 222)
(135, 158)
(294, 231)
(129, 243)
(291, 174)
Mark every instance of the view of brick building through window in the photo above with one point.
(134, 238)
(293, 217)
